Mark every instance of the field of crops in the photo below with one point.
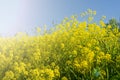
(73, 50)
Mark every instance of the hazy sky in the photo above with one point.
(25, 15)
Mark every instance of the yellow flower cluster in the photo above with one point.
(73, 50)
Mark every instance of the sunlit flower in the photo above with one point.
(108, 57)
(90, 56)
(84, 64)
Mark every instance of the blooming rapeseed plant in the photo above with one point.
(73, 50)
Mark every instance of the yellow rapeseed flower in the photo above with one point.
(56, 72)
(49, 73)
(90, 56)
(109, 26)
(74, 53)
(108, 57)
(68, 62)
(89, 44)
(84, 64)
(97, 48)
(9, 75)
(64, 78)
(102, 23)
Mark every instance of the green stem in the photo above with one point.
(107, 72)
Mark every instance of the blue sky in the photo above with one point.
(25, 15)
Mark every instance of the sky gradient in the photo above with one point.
(25, 15)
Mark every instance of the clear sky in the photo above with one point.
(25, 15)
